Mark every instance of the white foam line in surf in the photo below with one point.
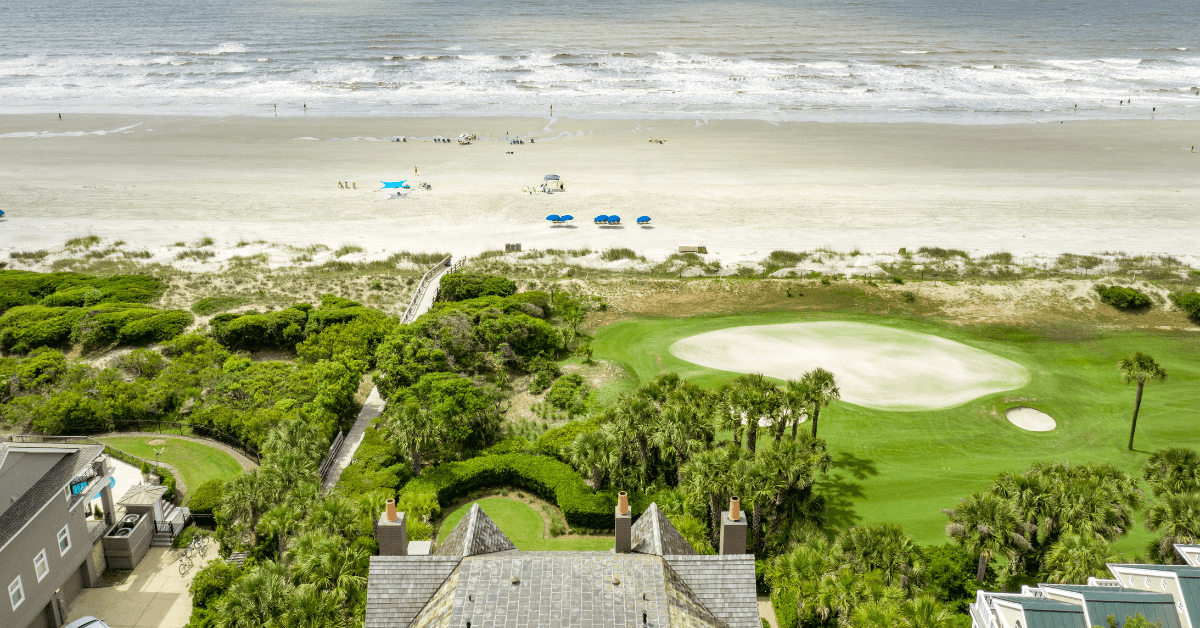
(67, 133)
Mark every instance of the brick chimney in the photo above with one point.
(391, 532)
(733, 529)
(624, 524)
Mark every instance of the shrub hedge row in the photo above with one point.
(206, 497)
(543, 476)
(463, 286)
(1122, 297)
(557, 441)
(1189, 302)
(28, 327)
(21, 287)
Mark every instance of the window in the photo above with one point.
(39, 565)
(64, 541)
(16, 594)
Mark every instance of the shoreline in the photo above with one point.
(742, 188)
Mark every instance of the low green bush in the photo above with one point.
(545, 477)
(207, 497)
(510, 445)
(557, 442)
(27, 327)
(253, 331)
(785, 609)
(1189, 302)
(1123, 298)
(212, 581)
(376, 465)
(463, 286)
(569, 393)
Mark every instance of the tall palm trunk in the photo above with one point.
(714, 515)
(982, 571)
(795, 426)
(737, 436)
(816, 415)
(1137, 405)
(778, 426)
(751, 433)
(756, 526)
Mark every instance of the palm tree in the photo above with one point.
(247, 497)
(728, 413)
(1177, 519)
(987, 525)
(791, 467)
(822, 390)
(255, 598)
(298, 438)
(705, 479)
(1173, 470)
(927, 611)
(593, 453)
(885, 548)
(414, 430)
(1076, 557)
(1139, 368)
(796, 403)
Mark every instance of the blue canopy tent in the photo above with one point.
(395, 184)
(614, 220)
(550, 177)
(554, 218)
(601, 220)
(643, 220)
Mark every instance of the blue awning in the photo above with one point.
(394, 184)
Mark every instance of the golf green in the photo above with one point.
(904, 467)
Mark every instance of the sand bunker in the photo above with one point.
(1030, 419)
(876, 367)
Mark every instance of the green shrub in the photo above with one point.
(211, 582)
(557, 442)
(785, 609)
(206, 497)
(212, 305)
(940, 253)
(359, 338)
(510, 445)
(1123, 298)
(909, 296)
(253, 331)
(463, 286)
(545, 477)
(1189, 302)
(85, 290)
(27, 327)
(783, 259)
(541, 382)
(161, 327)
(569, 393)
(376, 465)
(41, 368)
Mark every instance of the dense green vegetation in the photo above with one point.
(1123, 298)
(464, 286)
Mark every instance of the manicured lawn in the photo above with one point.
(196, 462)
(524, 526)
(904, 467)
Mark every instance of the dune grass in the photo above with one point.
(197, 463)
(524, 526)
(904, 467)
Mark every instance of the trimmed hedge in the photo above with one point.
(253, 331)
(28, 327)
(160, 327)
(464, 286)
(1189, 302)
(206, 497)
(557, 442)
(545, 477)
(785, 609)
(1123, 298)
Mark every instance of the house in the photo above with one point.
(49, 549)
(652, 578)
(1166, 594)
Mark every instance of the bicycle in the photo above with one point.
(199, 544)
(185, 561)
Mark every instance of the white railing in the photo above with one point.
(410, 314)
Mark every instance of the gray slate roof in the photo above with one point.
(1046, 613)
(400, 586)
(724, 584)
(475, 534)
(1121, 602)
(654, 534)
(54, 481)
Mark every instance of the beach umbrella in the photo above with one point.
(553, 217)
(394, 184)
(550, 177)
(601, 219)
(568, 217)
(1, 212)
(643, 220)
(612, 220)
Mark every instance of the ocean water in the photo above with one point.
(936, 60)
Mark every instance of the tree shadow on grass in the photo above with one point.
(841, 489)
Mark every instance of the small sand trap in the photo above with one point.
(1030, 420)
(157, 441)
(876, 367)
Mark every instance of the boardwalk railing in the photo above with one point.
(410, 314)
(453, 269)
(334, 450)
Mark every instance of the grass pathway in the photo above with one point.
(524, 526)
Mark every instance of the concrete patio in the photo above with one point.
(153, 595)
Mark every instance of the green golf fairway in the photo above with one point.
(904, 467)
(523, 525)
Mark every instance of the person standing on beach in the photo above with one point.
(414, 170)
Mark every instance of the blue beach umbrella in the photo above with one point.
(394, 184)
(568, 217)
(601, 219)
(643, 220)
(614, 220)
(553, 217)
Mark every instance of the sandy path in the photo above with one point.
(743, 188)
(875, 366)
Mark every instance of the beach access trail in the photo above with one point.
(740, 187)
(372, 408)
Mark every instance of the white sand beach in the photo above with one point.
(741, 188)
